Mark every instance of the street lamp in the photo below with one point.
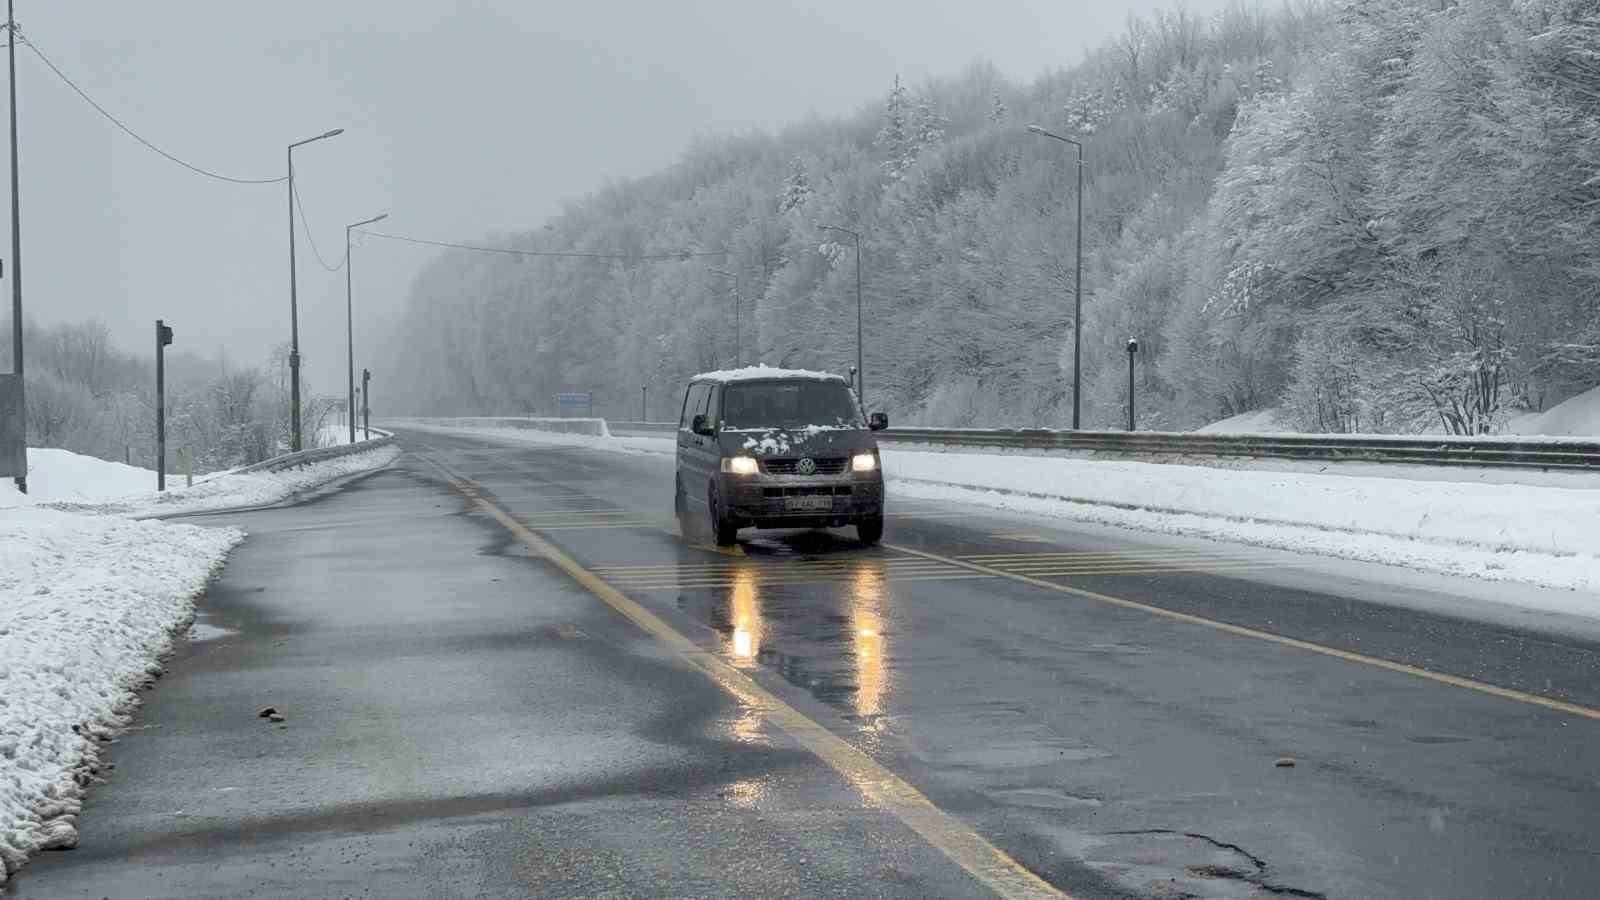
(1077, 286)
(738, 332)
(349, 324)
(861, 370)
(294, 306)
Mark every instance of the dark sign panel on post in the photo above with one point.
(13, 443)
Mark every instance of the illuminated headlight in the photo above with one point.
(740, 465)
(863, 462)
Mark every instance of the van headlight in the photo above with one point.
(863, 462)
(740, 465)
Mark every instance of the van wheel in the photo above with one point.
(680, 507)
(870, 531)
(726, 531)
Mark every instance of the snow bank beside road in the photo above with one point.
(88, 605)
(61, 475)
(238, 489)
(1542, 535)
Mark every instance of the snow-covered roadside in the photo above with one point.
(91, 598)
(88, 606)
(1536, 534)
(231, 489)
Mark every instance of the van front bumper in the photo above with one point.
(768, 501)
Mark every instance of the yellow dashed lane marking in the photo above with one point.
(1240, 630)
(985, 862)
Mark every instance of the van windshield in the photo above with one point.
(789, 404)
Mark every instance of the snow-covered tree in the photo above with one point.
(796, 186)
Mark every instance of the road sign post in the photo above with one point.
(163, 338)
(366, 404)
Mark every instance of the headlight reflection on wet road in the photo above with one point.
(744, 614)
(866, 621)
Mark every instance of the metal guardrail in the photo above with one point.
(1576, 455)
(307, 457)
(572, 425)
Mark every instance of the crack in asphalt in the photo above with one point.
(1257, 879)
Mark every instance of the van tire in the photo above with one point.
(726, 531)
(870, 531)
(680, 507)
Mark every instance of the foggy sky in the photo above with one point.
(462, 119)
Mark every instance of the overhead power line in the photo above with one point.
(572, 254)
(306, 227)
(135, 135)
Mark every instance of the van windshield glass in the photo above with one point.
(789, 404)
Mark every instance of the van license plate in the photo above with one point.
(808, 502)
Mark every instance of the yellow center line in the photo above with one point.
(991, 866)
(678, 585)
(1242, 631)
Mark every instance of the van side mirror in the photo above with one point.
(699, 425)
(878, 421)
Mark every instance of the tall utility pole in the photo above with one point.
(163, 338)
(738, 330)
(861, 369)
(16, 243)
(294, 306)
(349, 324)
(1077, 288)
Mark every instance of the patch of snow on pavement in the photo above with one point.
(88, 605)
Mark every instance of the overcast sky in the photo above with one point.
(461, 119)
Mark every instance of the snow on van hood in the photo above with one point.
(791, 441)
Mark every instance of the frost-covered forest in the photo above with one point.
(1378, 215)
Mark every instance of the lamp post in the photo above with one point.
(1077, 286)
(16, 249)
(294, 306)
(1133, 349)
(861, 369)
(738, 331)
(349, 324)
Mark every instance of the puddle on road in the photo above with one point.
(200, 631)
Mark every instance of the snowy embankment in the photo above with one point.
(91, 599)
(1531, 533)
(88, 606)
(1539, 534)
(223, 490)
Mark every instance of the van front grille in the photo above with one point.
(829, 466)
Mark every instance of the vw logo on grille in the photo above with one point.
(806, 467)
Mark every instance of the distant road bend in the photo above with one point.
(505, 674)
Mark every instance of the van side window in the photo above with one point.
(713, 404)
(693, 401)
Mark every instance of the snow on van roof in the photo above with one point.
(762, 373)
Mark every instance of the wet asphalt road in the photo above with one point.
(465, 720)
